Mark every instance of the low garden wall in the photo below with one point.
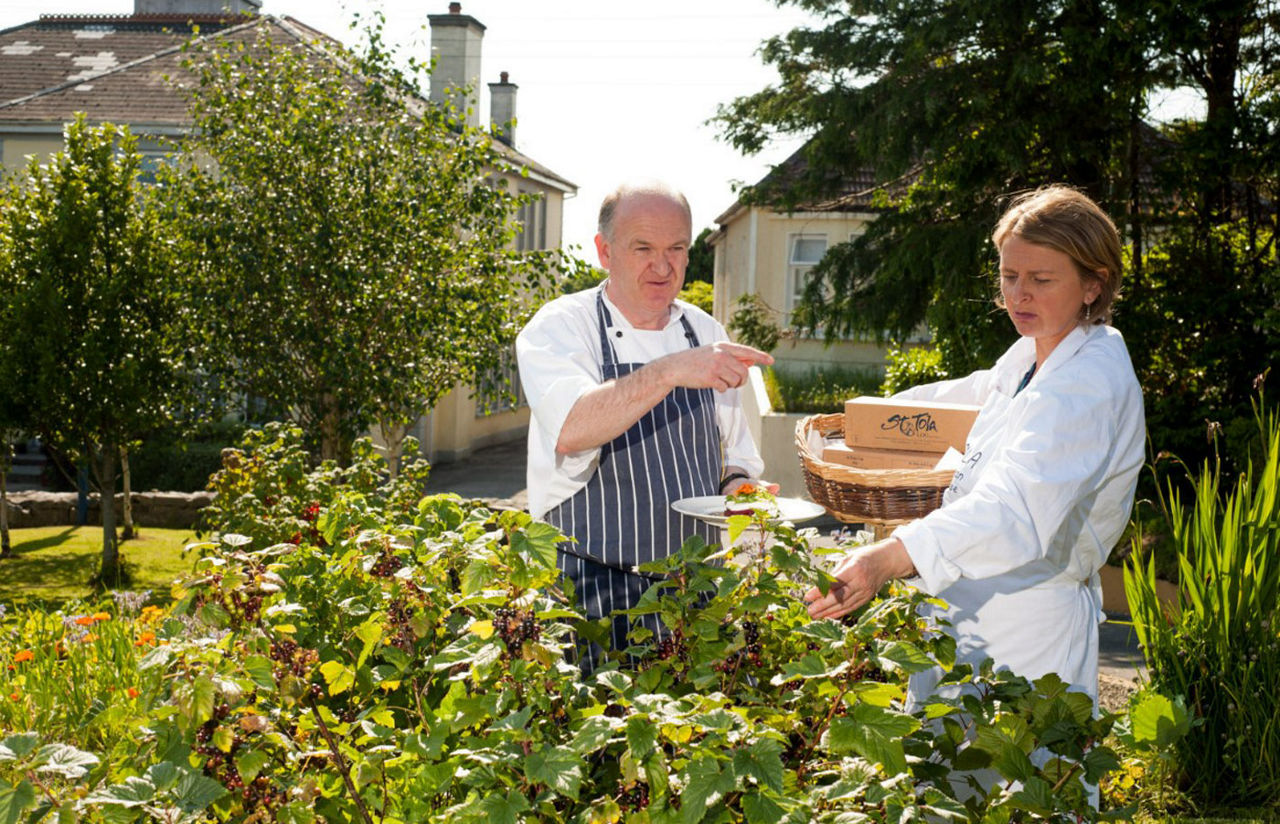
(168, 510)
(775, 434)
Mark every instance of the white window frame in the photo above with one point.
(799, 269)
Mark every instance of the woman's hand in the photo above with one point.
(860, 576)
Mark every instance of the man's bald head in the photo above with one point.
(617, 199)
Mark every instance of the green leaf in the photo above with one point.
(19, 745)
(1007, 756)
(537, 540)
(705, 784)
(903, 657)
(615, 680)
(642, 737)
(559, 768)
(64, 760)
(1035, 796)
(762, 761)
(874, 733)
(504, 809)
(338, 676)
(195, 699)
(593, 733)
(370, 632)
(249, 763)
(213, 614)
(476, 577)
(1158, 721)
(260, 671)
(15, 800)
(157, 657)
(133, 792)
(195, 792)
(163, 775)
(761, 809)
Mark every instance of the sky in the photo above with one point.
(608, 91)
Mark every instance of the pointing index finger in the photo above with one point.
(746, 354)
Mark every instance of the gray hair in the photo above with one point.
(609, 206)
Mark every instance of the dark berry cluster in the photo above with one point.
(388, 563)
(673, 646)
(515, 626)
(256, 795)
(292, 659)
(635, 798)
(398, 614)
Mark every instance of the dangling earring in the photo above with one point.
(1088, 308)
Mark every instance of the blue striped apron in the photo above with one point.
(622, 517)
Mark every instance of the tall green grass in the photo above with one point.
(1220, 649)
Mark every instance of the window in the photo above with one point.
(533, 224)
(804, 253)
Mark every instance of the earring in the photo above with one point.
(1088, 309)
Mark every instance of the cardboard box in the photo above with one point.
(884, 423)
(838, 453)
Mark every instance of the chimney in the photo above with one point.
(179, 7)
(455, 47)
(502, 109)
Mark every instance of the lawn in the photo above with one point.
(55, 564)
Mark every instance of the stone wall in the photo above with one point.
(169, 510)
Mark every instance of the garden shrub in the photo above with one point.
(700, 294)
(269, 490)
(1220, 649)
(409, 666)
(820, 389)
(176, 462)
(905, 368)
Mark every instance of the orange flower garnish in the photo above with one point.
(102, 616)
(24, 655)
(145, 638)
(745, 489)
(132, 692)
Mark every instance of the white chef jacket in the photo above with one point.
(559, 356)
(1043, 494)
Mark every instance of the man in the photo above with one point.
(635, 405)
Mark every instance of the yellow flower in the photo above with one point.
(102, 616)
(88, 638)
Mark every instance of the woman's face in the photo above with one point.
(1043, 292)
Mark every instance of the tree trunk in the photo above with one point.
(107, 496)
(126, 484)
(6, 549)
(330, 437)
(393, 435)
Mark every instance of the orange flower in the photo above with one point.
(145, 638)
(88, 638)
(746, 489)
(132, 692)
(13, 696)
(84, 621)
(102, 616)
(24, 655)
(151, 613)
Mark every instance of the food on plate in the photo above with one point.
(750, 499)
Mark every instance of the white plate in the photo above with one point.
(710, 508)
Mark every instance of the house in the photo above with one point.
(117, 68)
(760, 250)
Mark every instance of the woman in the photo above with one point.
(1050, 465)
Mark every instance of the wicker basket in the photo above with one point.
(881, 497)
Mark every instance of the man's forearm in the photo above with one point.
(611, 408)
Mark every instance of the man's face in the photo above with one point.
(647, 256)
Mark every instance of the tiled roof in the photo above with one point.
(127, 69)
(851, 191)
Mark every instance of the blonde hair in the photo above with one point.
(1067, 220)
